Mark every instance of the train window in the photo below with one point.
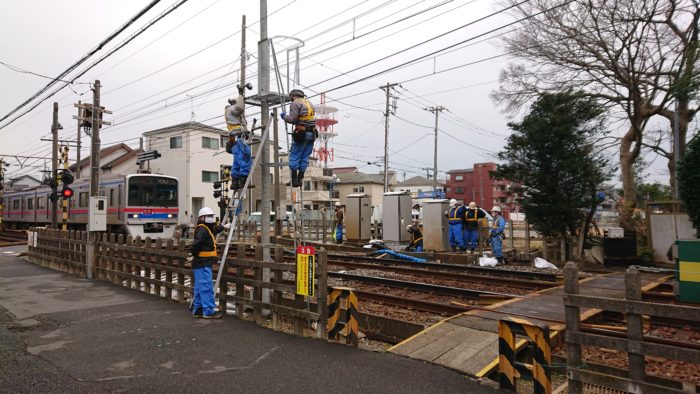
(83, 199)
(15, 204)
(40, 203)
(30, 203)
(111, 197)
(152, 191)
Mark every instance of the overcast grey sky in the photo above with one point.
(189, 62)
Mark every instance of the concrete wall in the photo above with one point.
(663, 227)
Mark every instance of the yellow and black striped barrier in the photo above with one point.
(335, 324)
(509, 369)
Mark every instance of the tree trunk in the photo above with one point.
(628, 155)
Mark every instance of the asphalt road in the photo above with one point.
(63, 334)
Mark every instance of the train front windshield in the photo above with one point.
(152, 191)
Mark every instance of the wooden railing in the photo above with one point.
(158, 267)
(634, 343)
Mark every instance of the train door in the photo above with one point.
(120, 208)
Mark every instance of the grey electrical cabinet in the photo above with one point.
(358, 215)
(396, 215)
(435, 232)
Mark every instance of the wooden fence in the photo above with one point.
(158, 267)
(634, 343)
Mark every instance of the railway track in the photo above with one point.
(12, 237)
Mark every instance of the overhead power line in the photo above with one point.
(81, 60)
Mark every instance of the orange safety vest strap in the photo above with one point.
(208, 253)
(453, 215)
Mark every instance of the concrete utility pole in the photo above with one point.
(243, 52)
(54, 163)
(77, 158)
(263, 91)
(276, 154)
(436, 111)
(387, 88)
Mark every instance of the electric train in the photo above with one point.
(138, 205)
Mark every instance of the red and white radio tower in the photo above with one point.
(325, 119)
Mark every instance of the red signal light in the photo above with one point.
(67, 192)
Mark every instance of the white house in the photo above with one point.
(193, 153)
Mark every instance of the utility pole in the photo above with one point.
(276, 153)
(436, 111)
(96, 123)
(263, 91)
(54, 164)
(77, 158)
(243, 52)
(386, 133)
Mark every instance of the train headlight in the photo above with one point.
(136, 215)
(170, 215)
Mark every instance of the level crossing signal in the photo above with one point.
(67, 178)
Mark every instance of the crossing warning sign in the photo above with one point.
(305, 270)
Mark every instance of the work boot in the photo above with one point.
(500, 260)
(214, 315)
(295, 178)
(234, 183)
(301, 176)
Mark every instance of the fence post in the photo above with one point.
(511, 237)
(277, 295)
(527, 237)
(168, 273)
(119, 266)
(240, 275)
(633, 292)
(325, 228)
(322, 291)
(573, 325)
(257, 290)
(180, 275)
(148, 242)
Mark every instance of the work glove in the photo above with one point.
(493, 233)
(189, 259)
(282, 115)
(227, 226)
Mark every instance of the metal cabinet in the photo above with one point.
(358, 215)
(396, 215)
(435, 232)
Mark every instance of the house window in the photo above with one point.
(210, 143)
(223, 140)
(448, 189)
(315, 185)
(307, 185)
(210, 176)
(459, 190)
(83, 199)
(359, 189)
(459, 177)
(176, 142)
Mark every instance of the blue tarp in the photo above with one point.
(401, 256)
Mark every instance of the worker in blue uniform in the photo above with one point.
(455, 218)
(242, 158)
(471, 226)
(203, 251)
(301, 115)
(237, 145)
(497, 233)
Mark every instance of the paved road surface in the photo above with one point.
(63, 334)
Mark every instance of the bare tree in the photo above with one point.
(626, 53)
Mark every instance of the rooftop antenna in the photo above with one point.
(191, 107)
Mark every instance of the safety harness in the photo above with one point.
(453, 218)
(476, 214)
(208, 253)
(310, 115)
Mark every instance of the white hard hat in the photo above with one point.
(496, 208)
(472, 205)
(337, 203)
(453, 202)
(206, 211)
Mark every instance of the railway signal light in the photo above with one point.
(217, 189)
(67, 192)
(53, 197)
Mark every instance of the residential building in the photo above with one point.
(193, 153)
(475, 184)
(370, 184)
(22, 182)
(118, 159)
